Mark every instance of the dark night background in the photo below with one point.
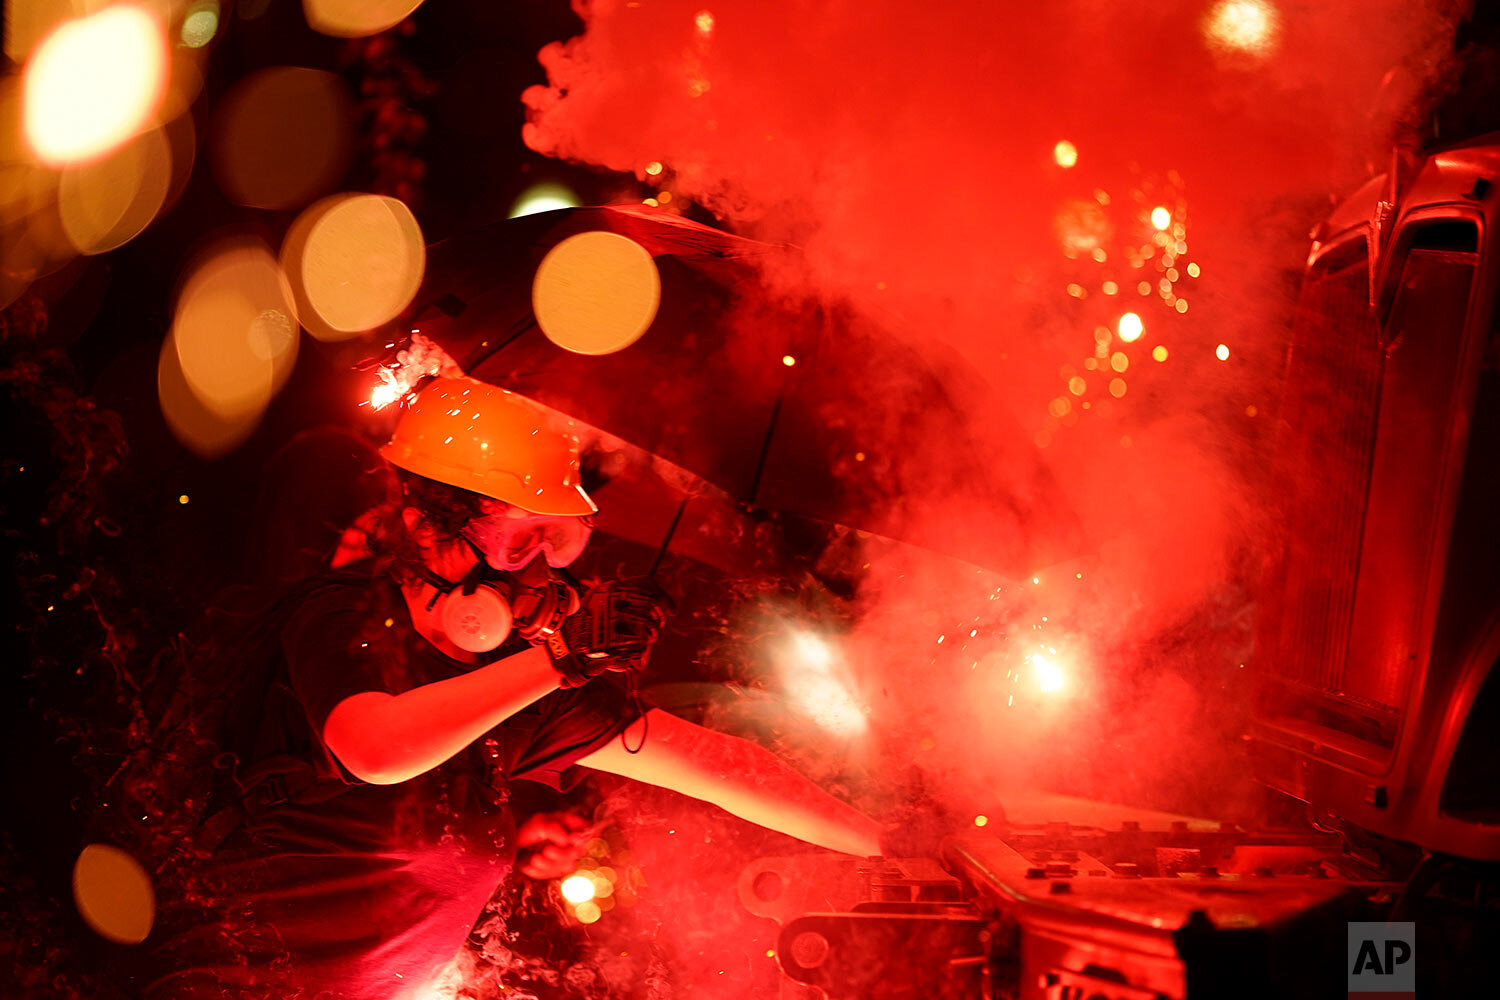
(109, 565)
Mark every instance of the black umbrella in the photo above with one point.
(782, 402)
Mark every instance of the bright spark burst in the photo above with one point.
(1049, 677)
(813, 651)
(1248, 26)
(422, 357)
(811, 673)
(577, 888)
(387, 392)
(1157, 255)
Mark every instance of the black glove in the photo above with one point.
(613, 629)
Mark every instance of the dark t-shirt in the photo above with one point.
(354, 633)
(356, 891)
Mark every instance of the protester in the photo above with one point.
(444, 655)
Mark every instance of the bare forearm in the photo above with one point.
(739, 777)
(758, 786)
(385, 739)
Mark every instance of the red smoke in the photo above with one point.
(910, 149)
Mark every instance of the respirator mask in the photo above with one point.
(479, 612)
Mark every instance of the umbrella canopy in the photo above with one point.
(783, 402)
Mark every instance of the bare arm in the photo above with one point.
(739, 777)
(385, 739)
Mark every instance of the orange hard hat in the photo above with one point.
(490, 441)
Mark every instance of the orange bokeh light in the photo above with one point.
(596, 293)
(356, 18)
(233, 342)
(283, 137)
(1065, 154)
(93, 83)
(194, 425)
(234, 332)
(354, 261)
(113, 894)
(1130, 327)
(106, 202)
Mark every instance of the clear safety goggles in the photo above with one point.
(514, 537)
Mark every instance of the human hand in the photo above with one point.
(548, 845)
(613, 629)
